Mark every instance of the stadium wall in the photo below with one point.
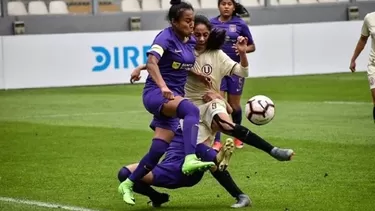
(31, 61)
(111, 22)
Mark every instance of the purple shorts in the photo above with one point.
(232, 84)
(168, 174)
(153, 101)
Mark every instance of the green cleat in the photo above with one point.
(126, 190)
(193, 164)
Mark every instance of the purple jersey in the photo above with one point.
(235, 27)
(176, 58)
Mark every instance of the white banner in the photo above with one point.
(327, 47)
(73, 59)
(2, 80)
(273, 54)
(107, 58)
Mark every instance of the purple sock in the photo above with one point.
(218, 137)
(237, 116)
(150, 160)
(190, 114)
(206, 153)
(123, 174)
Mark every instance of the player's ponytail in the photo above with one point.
(177, 9)
(216, 39)
(240, 10)
(175, 2)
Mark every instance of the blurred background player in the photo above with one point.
(230, 20)
(213, 64)
(167, 174)
(368, 29)
(170, 59)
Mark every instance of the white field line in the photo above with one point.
(73, 114)
(347, 102)
(44, 204)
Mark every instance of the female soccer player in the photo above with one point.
(213, 63)
(170, 59)
(368, 29)
(167, 174)
(230, 20)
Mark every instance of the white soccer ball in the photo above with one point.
(260, 110)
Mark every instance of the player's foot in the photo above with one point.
(282, 154)
(238, 143)
(225, 153)
(192, 164)
(242, 201)
(217, 145)
(158, 201)
(126, 190)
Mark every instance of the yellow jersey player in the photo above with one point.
(203, 86)
(368, 29)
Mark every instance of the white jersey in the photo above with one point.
(368, 30)
(215, 64)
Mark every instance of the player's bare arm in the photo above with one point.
(358, 49)
(250, 48)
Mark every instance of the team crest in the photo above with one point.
(207, 69)
(232, 28)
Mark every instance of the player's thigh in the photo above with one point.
(210, 109)
(158, 105)
(146, 179)
(223, 123)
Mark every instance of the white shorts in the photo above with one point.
(207, 113)
(371, 76)
(371, 80)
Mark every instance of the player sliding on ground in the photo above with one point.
(212, 64)
(168, 174)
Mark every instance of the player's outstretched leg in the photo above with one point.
(243, 200)
(226, 180)
(248, 137)
(187, 111)
(223, 177)
(157, 198)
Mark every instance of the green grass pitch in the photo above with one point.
(66, 145)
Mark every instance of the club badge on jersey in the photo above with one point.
(232, 28)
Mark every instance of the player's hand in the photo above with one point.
(352, 66)
(167, 93)
(205, 79)
(241, 45)
(135, 76)
(210, 96)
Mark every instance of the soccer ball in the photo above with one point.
(260, 110)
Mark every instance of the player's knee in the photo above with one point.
(123, 174)
(235, 106)
(187, 108)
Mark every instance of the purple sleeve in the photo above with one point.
(245, 32)
(160, 45)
